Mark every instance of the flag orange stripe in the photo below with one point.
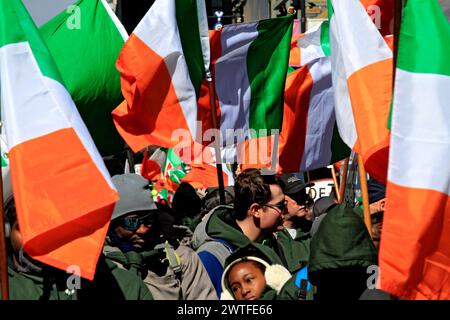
(204, 176)
(370, 90)
(295, 53)
(295, 119)
(415, 262)
(255, 152)
(46, 211)
(148, 116)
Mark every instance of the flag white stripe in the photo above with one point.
(34, 105)
(116, 20)
(310, 46)
(232, 77)
(362, 47)
(166, 42)
(342, 103)
(320, 117)
(420, 140)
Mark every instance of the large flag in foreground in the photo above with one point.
(63, 192)
(85, 43)
(415, 243)
(362, 82)
(162, 66)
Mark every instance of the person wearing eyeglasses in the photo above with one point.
(137, 241)
(259, 207)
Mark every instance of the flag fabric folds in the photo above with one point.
(63, 193)
(85, 44)
(415, 242)
(309, 138)
(250, 65)
(309, 46)
(362, 83)
(162, 65)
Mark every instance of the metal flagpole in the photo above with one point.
(212, 103)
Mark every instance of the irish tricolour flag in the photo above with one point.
(162, 66)
(250, 62)
(64, 195)
(362, 82)
(309, 46)
(415, 242)
(85, 41)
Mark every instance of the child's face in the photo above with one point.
(246, 280)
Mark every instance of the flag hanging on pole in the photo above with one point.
(162, 66)
(415, 242)
(362, 82)
(63, 193)
(85, 41)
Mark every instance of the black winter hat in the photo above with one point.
(186, 200)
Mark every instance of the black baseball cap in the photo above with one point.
(292, 184)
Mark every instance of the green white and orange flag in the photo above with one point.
(63, 193)
(309, 46)
(250, 65)
(162, 66)
(415, 243)
(362, 83)
(85, 41)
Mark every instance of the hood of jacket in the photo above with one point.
(275, 274)
(341, 240)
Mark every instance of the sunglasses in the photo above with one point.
(133, 223)
(282, 206)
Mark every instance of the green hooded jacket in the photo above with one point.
(341, 241)
(222, 226)
(110, 283)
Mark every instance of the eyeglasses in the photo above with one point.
(133, 223)
(282, 206)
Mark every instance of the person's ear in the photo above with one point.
(255, 210)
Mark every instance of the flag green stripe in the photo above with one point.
(325, 38)
(330, 10)
(267, 63)
(424, 39)
(339, 150)
(16, 26)
(187, 20)
(86, 57)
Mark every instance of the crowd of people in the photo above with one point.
(269, 240)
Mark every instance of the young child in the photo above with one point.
(246, 279)
(248, 276)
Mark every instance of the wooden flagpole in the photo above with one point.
(343, 181)
(336, 185)
(3, 255)
(212, 104)
(365, 194)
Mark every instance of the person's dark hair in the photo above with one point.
(258, 265)
(212, 200)
(10, 211)
(251, 187)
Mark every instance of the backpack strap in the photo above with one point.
(301, 282)
(172, 258)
